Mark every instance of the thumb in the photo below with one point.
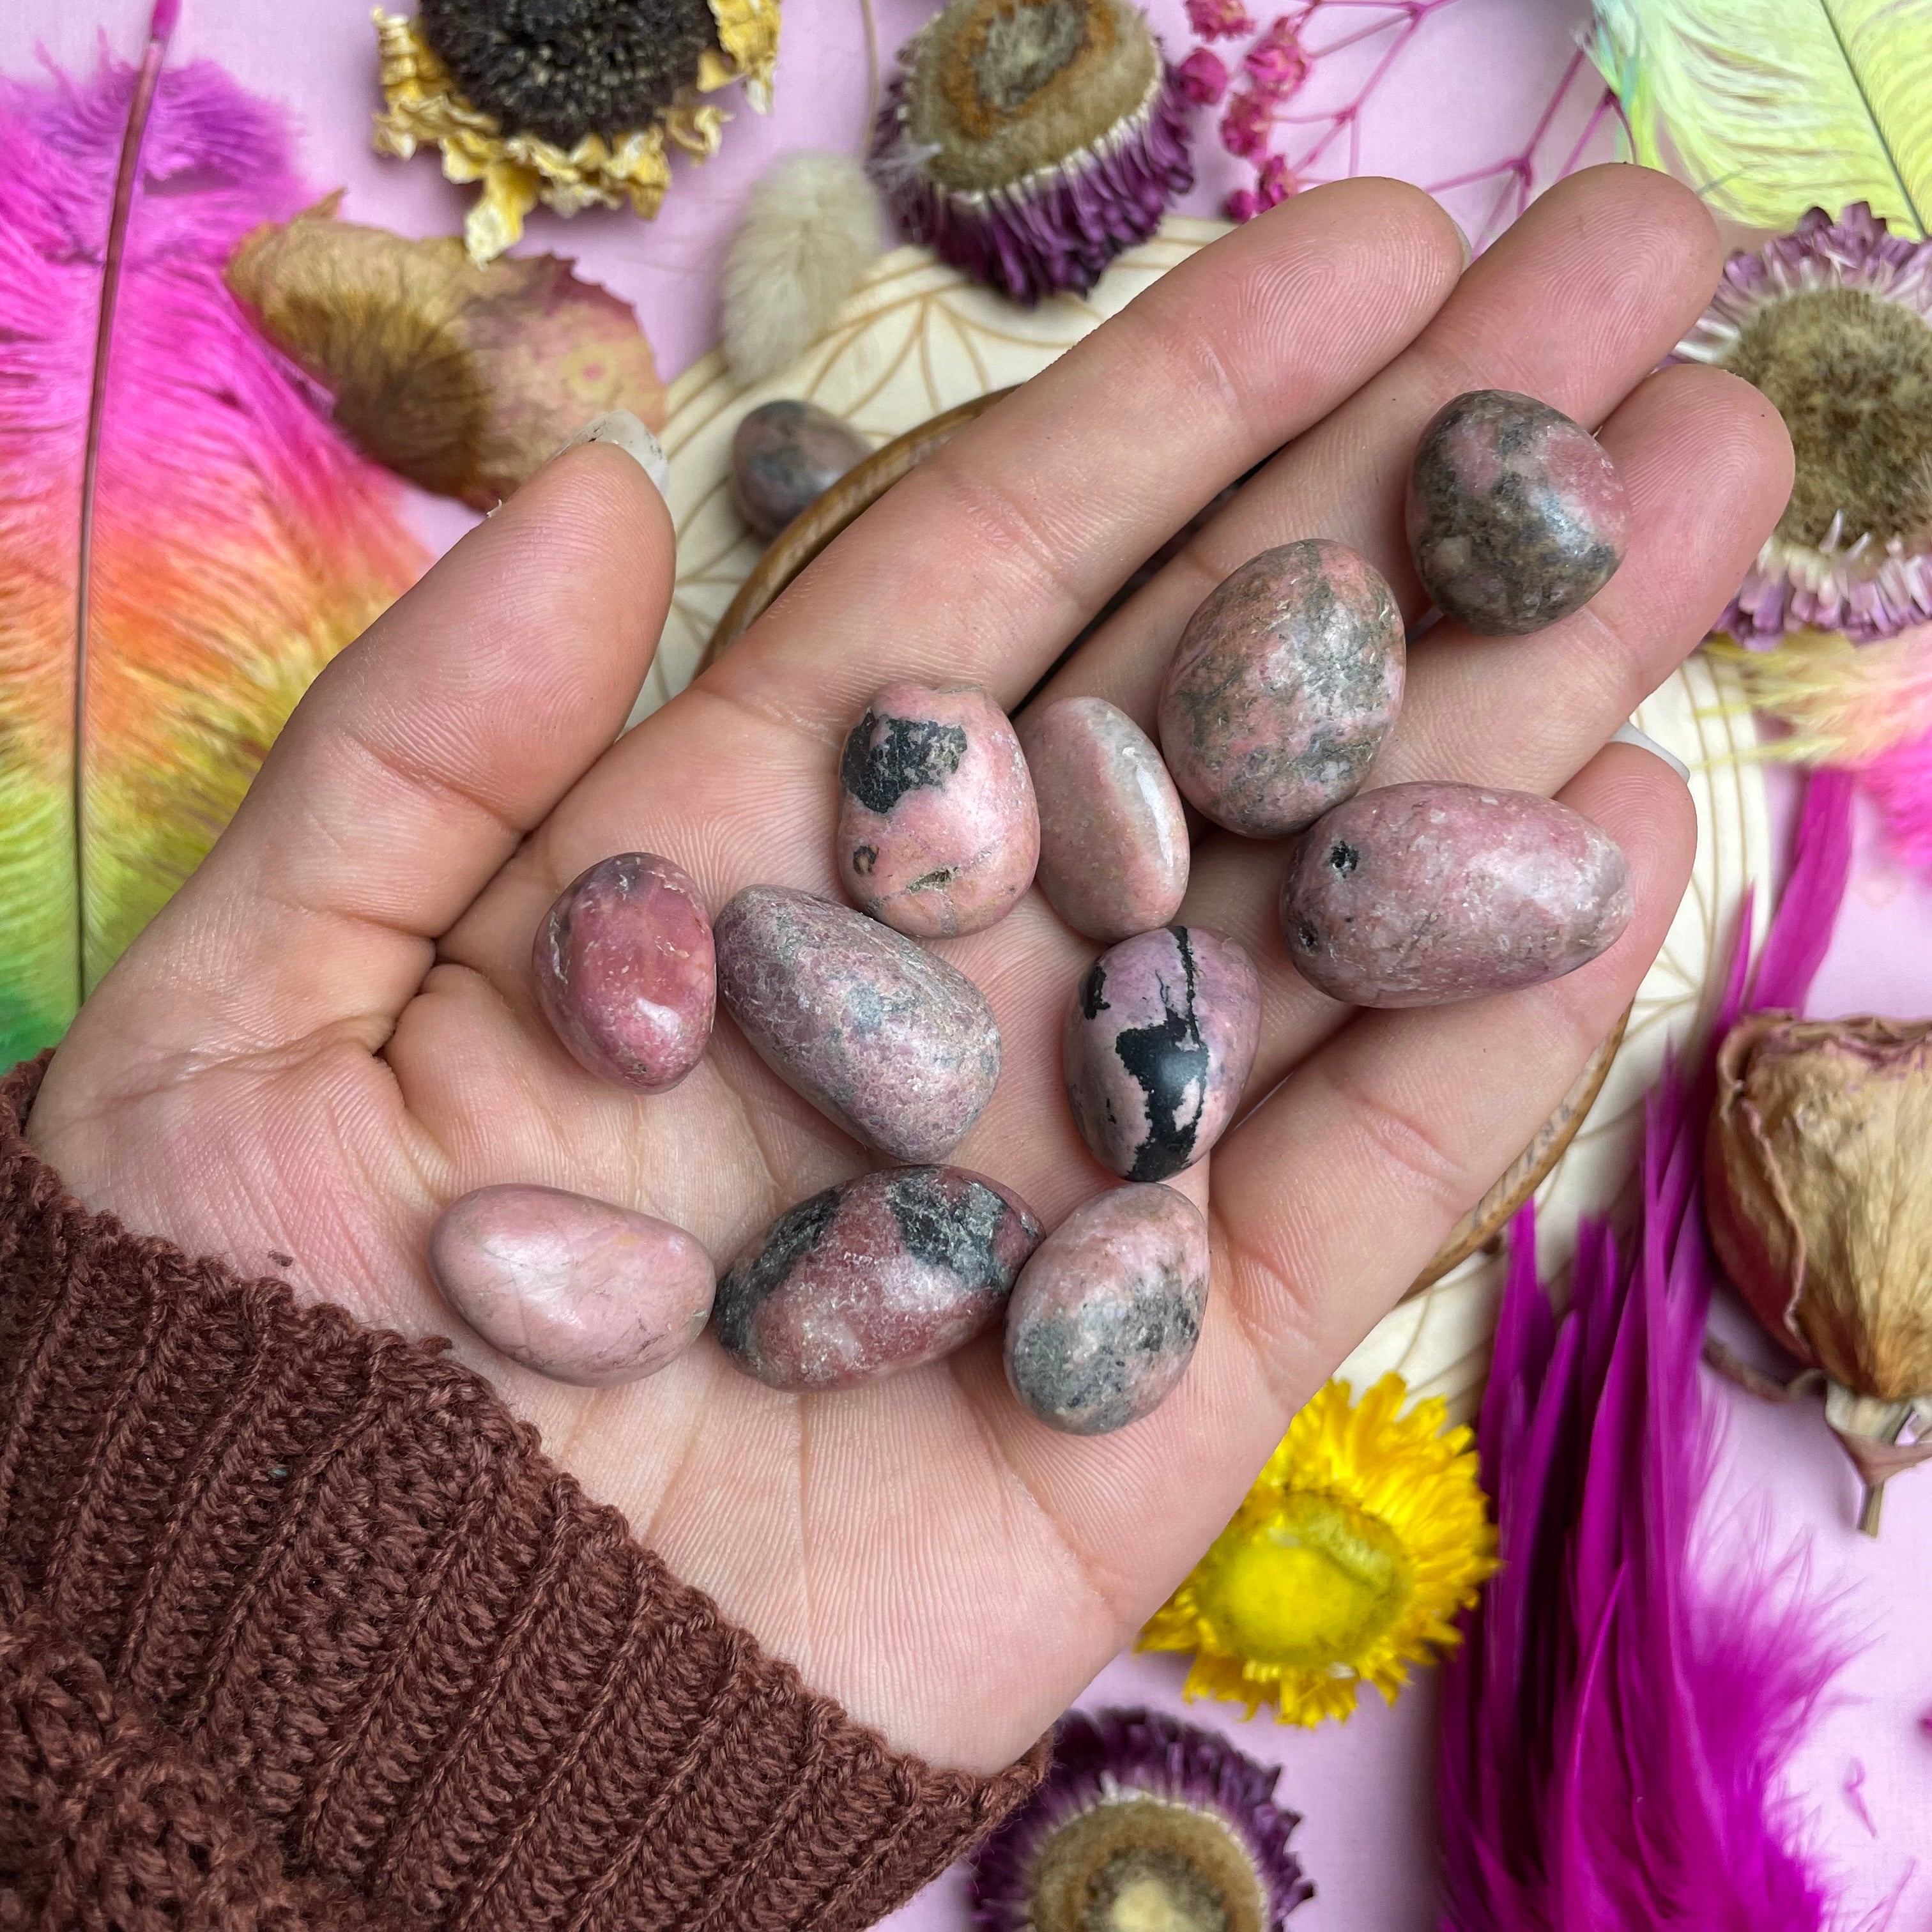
(413, 769)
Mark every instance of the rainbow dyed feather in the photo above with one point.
(184, 540)
(1615, 1733)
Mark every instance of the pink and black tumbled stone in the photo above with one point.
(626, 972)
(1103, 1320)
(1282, 688)
(784, 456)
(896, 1045)
(938, 831)
(1114, 850)
(1158, 1045)
(1515, 515)
(873, 1277)
(1419, 895)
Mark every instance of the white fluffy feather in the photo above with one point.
(811, 229)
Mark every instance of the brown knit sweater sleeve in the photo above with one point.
(297, 1626)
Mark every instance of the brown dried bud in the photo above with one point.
(1818, 1180)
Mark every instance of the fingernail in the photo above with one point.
(1462, 235)
(623, 431)
(1630, 735)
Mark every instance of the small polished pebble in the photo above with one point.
(1104, 1318)
(894, 1044)
(625, 971)
(1515, 515)
(1159, 1043)
(1113, 837)
(874, 1276)
(1419, 895)
(579, 1290)
(784, 456)
(938, 833)
(1282, 688)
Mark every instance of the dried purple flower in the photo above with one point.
(1276, 63)
(1246, 125)
(1218, 19)
(1143, 1820)
(1202, 78)
(1031, 141)
(1834, 323)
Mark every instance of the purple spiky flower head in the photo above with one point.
(1142, 1820)
(1029, 142)
(1834, 323)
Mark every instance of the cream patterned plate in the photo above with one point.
(916, 340)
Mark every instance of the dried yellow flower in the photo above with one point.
(1819, 1193)
(463, 380)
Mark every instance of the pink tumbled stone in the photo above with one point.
(579, 1290)
(874, 1276)
(1102, 1322)
(938, 833)
(1282, 688)
(1515, 515)
(1113, 837)
(626, 972)
(1418, 895)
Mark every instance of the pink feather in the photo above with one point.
(1614, 1733)
(1900, 782)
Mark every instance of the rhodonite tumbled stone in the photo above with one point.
(580, 1290)
(897, 1046)
(1113, 838)
(938, 832)
(1159, 1043)
(1104, 1318)
(1417, 894)
(1515, 515)
(1282, 688)
(626, 970)
(784, 456)
(874, 1276)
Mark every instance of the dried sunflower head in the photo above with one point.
(568, 102)
(1834, 323)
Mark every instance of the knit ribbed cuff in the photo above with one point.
(329, 1565)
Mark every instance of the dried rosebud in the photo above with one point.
(1819, 1184)
(463, 380)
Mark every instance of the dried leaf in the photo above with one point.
(463, 380)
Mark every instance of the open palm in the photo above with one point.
(331, 1032)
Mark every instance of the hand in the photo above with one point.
(330, 1032)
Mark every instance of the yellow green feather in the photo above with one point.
(1768, 107)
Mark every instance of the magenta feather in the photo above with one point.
(1614, 1733)
(184, 539)
(1900, 782)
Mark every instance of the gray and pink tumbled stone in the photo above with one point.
(1103, 1320)
(898, 1047)
(784, 456)
(873, 1277)
(1113, 837)
(579, 1290)
(1419, 895)
(1157, 1048)
(938, 832)
(625, 971)
(1515, 515)
(1282, 688)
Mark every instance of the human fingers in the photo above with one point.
(410, 772)
(1707, 465)
(1596, 283)
(985, 561)
(1417, 1112)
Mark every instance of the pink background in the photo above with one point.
(1469, 93)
